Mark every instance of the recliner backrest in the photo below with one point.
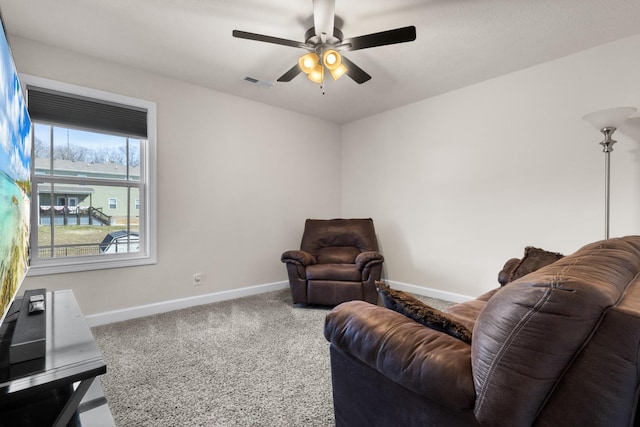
(533, 329)
(338, 241)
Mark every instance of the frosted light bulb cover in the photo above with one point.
(612, 117)
(317, 74)
(331, 59)
(338, 72)
(308, 62)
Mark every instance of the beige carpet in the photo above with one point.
(255, 361)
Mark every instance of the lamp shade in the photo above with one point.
(331, 59)
(317, 74)
(609, 118)
(338, 72)
(308, 62)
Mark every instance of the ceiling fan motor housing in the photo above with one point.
(310, 37)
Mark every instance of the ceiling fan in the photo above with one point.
(324, 41)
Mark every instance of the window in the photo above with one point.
(67, 201)
(93, 178)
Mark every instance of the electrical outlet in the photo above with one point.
(197, 279)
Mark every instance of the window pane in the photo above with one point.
(134, 208)
(78, 153)
(134, 159)
(80, 222)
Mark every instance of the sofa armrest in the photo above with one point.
(368, 258)
(298, 257)
(426, 361)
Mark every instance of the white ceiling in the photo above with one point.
(459, 42)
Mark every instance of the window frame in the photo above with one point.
(148, 232)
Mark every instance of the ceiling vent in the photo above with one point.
(256, 82)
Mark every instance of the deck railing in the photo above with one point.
(69, 250)
(73, 214)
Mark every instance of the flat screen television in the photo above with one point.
(15, 184)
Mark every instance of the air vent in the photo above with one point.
(262, 83)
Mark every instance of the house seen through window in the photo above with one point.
(85, 173)
(91, 190)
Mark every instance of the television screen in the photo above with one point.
(15, 188)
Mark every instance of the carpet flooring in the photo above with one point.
(254, 361)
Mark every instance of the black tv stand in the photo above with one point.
(49, 390)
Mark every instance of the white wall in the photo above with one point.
(233, 184)
(459, 183)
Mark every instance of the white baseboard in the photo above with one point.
(429, 292)
(178, 304)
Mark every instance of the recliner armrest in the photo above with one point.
(426, 361)
(298, 257)
(368, 258)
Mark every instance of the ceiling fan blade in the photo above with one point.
(269, 39)
(324, 12)
(356, 73)
(398, 35)
(289, 75)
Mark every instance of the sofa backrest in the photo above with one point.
(338, 241)
(605, 373)
(537, 332)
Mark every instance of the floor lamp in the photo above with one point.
(607, 121)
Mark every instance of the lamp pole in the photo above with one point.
(607, 121)
(607, 148)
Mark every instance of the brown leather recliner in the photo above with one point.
(338, 261)
(557, 347)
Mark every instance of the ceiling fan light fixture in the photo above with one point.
(324, 40)
(317, 74)
(308, 62)
(338, 72)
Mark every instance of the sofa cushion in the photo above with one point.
(466, 313)
(413, 308)
(346, 272)
(534, 259)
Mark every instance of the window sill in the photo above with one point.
(82, 264)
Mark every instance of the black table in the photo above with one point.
(52, 387)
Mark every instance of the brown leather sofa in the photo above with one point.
(338, 261)
(557, 347)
